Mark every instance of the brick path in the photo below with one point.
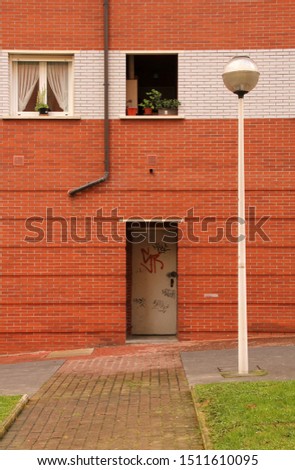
(139, 401)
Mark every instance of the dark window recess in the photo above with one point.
(147, 71)
(32, 101)
(51, 100)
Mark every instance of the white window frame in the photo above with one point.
(42, 59)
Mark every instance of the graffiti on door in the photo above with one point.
(140, 301)
(169, 293)
(160, 305)
(151, 261)
(161, 247)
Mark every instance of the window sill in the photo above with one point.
(44, 117)
(151, 117)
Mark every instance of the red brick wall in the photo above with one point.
(169, 24)
(70, 294)
(52, 24)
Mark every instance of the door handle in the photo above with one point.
(172, 274)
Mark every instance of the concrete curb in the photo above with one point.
(5, 425)
(201, 421)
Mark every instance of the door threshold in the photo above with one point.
(143, 339)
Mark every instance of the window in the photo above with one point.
(51, 75)
(148, 71)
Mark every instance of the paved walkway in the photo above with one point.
(139, 401)
(128, 397)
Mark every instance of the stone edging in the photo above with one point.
(5, 425)
(202, 422)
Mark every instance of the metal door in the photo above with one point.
(154, 283)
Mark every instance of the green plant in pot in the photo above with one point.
(41, 105)
(151, 102)
(168, 106)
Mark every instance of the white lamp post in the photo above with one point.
(240, 76)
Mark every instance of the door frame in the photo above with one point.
(146, 228)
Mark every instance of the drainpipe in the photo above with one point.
(74, 191)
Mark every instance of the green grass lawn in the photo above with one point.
(7, 403)
(248, 415)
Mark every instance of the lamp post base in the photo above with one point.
(231, 374)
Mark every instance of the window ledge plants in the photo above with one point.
(151, 102)
(41, 105)
(155, 104)
(168, 107)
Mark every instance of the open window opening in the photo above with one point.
(150, 71)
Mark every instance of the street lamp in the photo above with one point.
(240, 76)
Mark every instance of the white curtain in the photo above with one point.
(57, 75)
(28, 74)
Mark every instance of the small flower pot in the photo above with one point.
(148, 111)
(43, 111)
(131, 111)
(167, 112)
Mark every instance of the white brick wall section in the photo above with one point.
(200, 85)
(88, 84)
(204, 96)
(4, 83)
(117, 81)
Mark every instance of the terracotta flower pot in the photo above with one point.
(148, 111)
(131, 111)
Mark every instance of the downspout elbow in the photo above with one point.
(74, 191)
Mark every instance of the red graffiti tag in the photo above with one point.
(150, 261)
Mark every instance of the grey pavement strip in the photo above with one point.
(26, 377)
(201, 367)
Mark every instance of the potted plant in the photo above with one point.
(131, 110)
(151, 103)
(168, 106)
(41, 105)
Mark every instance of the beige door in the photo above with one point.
(154, 284)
